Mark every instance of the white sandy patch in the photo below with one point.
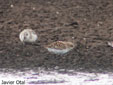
(54, 78)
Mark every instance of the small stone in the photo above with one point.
(34, 8)
(12, 5)
(73, 37)
(57, 12)
(56, 67)
(110, 43)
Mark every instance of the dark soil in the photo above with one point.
(87, 23)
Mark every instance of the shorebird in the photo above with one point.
(60, 47)
(28, 36)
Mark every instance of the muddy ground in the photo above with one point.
(87, 23)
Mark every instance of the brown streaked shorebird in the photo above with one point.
(60, 47)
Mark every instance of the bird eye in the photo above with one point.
(26, 34)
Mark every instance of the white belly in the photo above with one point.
(57, 51)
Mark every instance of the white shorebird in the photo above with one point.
(60, 47)
(28, 36)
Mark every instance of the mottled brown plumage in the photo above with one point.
(60, 45)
